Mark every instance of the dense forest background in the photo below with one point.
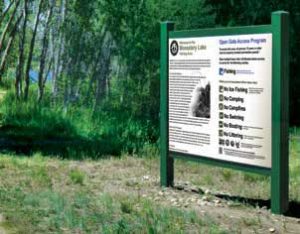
(82, 77)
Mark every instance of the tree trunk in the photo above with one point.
(20, 66)
(103, 74)
(32, 43)
(5, 12)
(43, 55)
(58, 62)
(8, 46)
(8, 25)
(95, 66)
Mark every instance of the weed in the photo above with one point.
(77, 176)
(227, 174)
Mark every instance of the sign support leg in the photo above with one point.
(280, 114)
(166, 162)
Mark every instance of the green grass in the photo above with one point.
(77, 176)
(30, 127)
(34, 201)
(53, 195)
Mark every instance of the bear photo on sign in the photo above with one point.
(200, 102)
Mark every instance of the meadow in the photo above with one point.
(43, 194)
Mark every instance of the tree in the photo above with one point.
(32, 44)
(20, 66)
(45, 41)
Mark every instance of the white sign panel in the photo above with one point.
(220, 97)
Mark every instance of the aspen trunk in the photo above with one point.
(32, 43)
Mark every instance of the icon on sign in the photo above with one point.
(221, 142)
(221, 98)
(221, 133)
(220, 150)
(221, 88)
(221, 106)
(221, 115)
(220, 124)
(227, 142)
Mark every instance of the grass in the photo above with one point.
(120, 195)
(37, 197)
(29, 127)
(77, 176)
(221, 180)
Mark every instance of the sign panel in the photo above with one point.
(220, 97)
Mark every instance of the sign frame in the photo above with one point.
(279, 171)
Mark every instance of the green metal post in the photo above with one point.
(280, 114)
(166, 162)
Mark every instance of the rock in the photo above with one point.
(180, 187)
(160, 193)
(146, 177)
(272, 230)
(217, 201)
(207, 191)
(194, 189)
(204, 198)
(186, 189)
(173, 200)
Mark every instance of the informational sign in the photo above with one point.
(220, 97)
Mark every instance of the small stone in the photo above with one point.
(180, 187)
(160, 193)
(217, 201)
(207, 191)
(193, 199)
(229, 203)
(173, 200)
(186, 189)
(272, 230)
(194, 189)
(146, 177)
(144, 195)
(204, 198)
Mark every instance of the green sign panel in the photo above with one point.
(224, 100)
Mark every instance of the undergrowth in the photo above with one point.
(76, 131)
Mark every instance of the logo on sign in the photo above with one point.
(174, 48)
(223, 71)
